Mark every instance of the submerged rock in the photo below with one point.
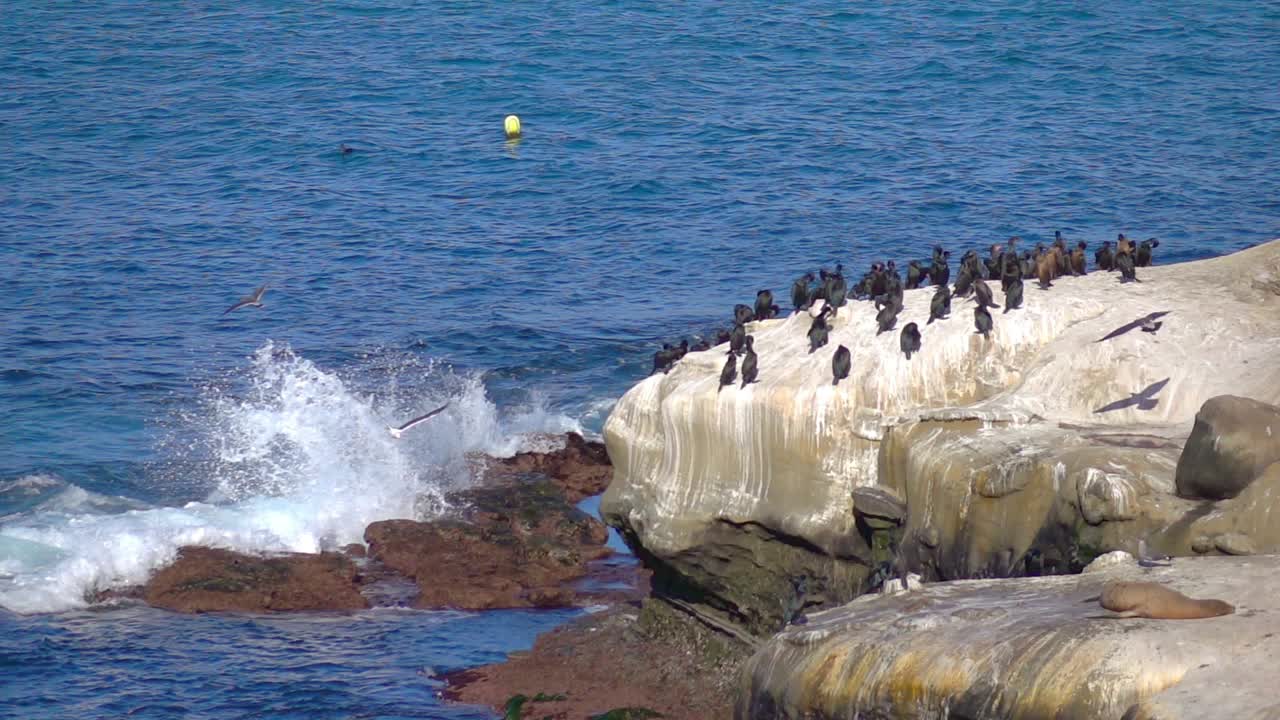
(1031, 647)
(211, 579)
(1233, 441)
(1030, 452)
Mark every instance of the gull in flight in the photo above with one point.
(254, 300)
(396, 432)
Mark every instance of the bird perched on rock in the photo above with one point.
(914, 275)
(737, 339)
(993, 262)
(729, 373)
(764, 304)
(940, 271)
(666, 358)
(742, 314)
(909, 340)
(840, 364)
(887, 317)
(1013, 296)
(1125, 264)
(800, 292)
(1078, 265)
(982, 294)
(1104, 258)
(964, 281)
(940, 305)
(749, 367)
(819, 330)
(1144, 251)
(1046, 269)
(982, 321)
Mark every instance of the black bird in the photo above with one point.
(764, 304)
(749, 368)
(982, 294)
(969, 261)
(1078, 264)
(909, 340)
(742, 314)
(982, 320)
(914, 274)
(836, 292)
(254, 300)
(1011, 270)
(1028, 264)
(345, 149)
(819, 330)
(729, 373)
(1145, 399)
(680, 350)
(737, 339)
(840, 364)
(940, 305)
(887, 317)
(878, 280)
(800, 292)
(1063, 258)
(1013, 296)
(1146, 322)
(994, 263)
(663, 358)
(1104, 258)
(1144, 251)
(964, 281)
(940, 271)
(1124, 263)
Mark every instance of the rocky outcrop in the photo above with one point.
(514, 545)
(1029, 452)
(1030, 647)
(1232, 443)
(581, 468)
(211, 580)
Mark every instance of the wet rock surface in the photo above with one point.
(211, 580)
(630, 656)
(513, 545)
(1030, 647)
(513, 540)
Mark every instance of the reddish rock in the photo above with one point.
(581, 468)
(210, 580)
(514, 546)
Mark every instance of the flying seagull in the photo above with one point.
(1146, 322)
(1145, 400)
(254, 300)
(398, 431)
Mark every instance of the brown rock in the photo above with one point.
(514, 546)
(210, 580)
(1233, 440)
(581, 468)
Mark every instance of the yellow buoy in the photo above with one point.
(512, 126)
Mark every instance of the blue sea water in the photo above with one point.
(161, 160)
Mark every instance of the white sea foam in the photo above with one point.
(298, 462)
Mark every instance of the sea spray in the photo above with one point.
(290, 457)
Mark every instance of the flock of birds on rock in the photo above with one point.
(823, 296)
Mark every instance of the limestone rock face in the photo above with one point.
(1029, 648)
(1030, 451)
(1233, 440)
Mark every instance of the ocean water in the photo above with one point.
(163, 160)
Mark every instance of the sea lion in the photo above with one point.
(1155, 601)
(1013, 296)
(764, 304)
(800, 292)
(909, 340)
(1104, 258)
(1063, 257)
(840, 363)
(982, 321)
(1144, 251)
(1028, 264)
(750, 369)
(737, 339)
(662, 359)
(729, 373)
(700, 346)
(940, 305)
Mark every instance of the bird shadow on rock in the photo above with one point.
(1145, 399)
